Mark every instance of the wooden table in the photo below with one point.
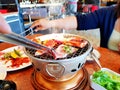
(22, 78)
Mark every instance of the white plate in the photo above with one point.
(96, 53)
(3, 72)
(8, 64)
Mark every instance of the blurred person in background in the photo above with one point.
(107, 19)
(4, 26)
(90, 6)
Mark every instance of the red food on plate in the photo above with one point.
(14, 58)
(19, 61)
(1, 53)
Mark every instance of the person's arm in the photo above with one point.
(119, 47)
(4, 27)
(63, 23)
(117, 28)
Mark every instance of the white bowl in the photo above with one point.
(96, 86)
(99, 87)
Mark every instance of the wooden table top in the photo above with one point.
(22, 78)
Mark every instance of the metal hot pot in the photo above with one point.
(59, 70)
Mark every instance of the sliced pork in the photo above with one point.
(64, 50)
(76, 42)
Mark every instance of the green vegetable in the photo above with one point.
(17, 52)
(13, 54)
(7, 55)
(106, 79)
(67, 49)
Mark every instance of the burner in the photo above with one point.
(79, 81)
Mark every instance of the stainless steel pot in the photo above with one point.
(59, 70)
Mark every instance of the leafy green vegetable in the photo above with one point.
(67, 49)
(106, 79)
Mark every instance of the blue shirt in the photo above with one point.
(103, 18)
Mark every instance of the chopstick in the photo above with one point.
(96, 59)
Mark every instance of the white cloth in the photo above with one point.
(114, 40)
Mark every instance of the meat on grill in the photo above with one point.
(62, 48)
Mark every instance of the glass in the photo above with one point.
(55, 11)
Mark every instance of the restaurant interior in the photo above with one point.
(20, 14)
(26, 11)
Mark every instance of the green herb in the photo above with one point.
(67, 49)
(106, 79)
(7, 55)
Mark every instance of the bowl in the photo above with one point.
(108, 76)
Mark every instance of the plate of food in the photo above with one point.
(106, 79)
(14, 58)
